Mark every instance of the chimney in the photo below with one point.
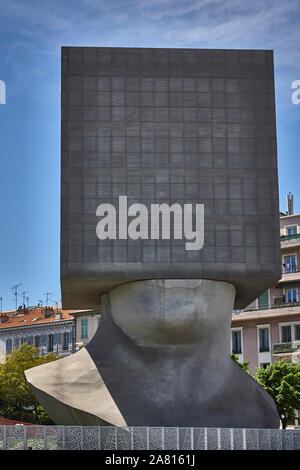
(22, 310)
(289, 204)
(3, 317)
(47, 312)
(58, 316)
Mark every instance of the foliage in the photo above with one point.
(17, 400)
(282, 381)
(244, 365)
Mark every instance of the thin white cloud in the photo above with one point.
(217, 22)
(40, 28)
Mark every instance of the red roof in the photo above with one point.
(33, 316)
(11, 422)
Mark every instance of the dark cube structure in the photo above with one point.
(175, 126)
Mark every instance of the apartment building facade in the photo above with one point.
(62, 332)
(269, 328)
(43, 327)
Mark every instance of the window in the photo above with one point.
(98, 321)
(291, 295)
(237, 342)
(291, 230)
(16, 343)
(264, 365)
(263, 300)
(37, 341)
(290, 264)
(84, 328)
(297, 332)
(27, 340)
(286, 334)
(65, 344)
(50, 342)
(264, 340)
(43, 340)
(8, 345)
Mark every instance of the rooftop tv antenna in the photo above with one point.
(15, 293)
(1, 304)
(24, 296)
(47, 294)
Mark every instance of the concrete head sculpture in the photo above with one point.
(170, 213)
(160, 358)
(167, 313)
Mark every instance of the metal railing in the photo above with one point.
(286, 303)
(20, 437)
(283, 238)
(294, 269)
(268, 307)
(287, 347)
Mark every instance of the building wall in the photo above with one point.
(288, 221)
(274, 292)
(93, 321)
(27, 335)
(74, 330)
(253, 305)
(250, 341)
(287, 313)
(275, 333)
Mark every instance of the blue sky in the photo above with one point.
(31, 35)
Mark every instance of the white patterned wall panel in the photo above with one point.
(20, 437)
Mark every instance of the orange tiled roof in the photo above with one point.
(10, 422)
(33, 316)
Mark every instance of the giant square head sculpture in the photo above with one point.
(169, 211)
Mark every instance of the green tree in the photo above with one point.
(16, 398)
(282, 381)
(244, 365)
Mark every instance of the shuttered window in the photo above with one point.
(84, 328)
(237, 342)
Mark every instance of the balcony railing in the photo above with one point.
(283, 304)
(291, 270)
(283, 348)
(289, 237)
(278, 305)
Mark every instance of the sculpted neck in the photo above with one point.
(160, 376)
